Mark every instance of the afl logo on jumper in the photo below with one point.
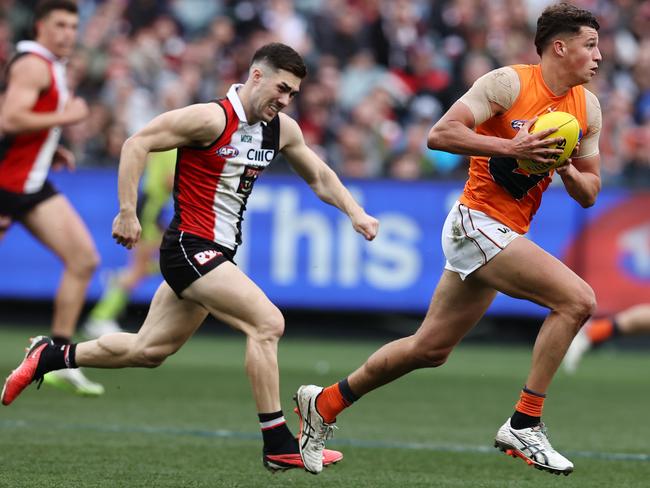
(227, 151)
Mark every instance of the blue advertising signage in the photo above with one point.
(304, 253)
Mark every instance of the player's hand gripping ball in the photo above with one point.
(567, 127)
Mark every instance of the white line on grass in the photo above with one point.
(373, 444)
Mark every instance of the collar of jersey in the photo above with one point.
(233, 96)
(35, 47)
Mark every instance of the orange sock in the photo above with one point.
(600, 330)
(530, 404)
(330, 403)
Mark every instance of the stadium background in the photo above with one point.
(380, 74)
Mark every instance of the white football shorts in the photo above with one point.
(471, 238)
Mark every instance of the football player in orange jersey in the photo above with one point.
(483, 236)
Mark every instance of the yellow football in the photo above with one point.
(567, 127)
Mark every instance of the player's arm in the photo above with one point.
(491, 95)
(581, 174)
(28, 76)
(195, 125)
(321, 178)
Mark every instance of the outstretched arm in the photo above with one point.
(322, 179)
(197, 125)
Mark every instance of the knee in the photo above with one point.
(84, 264)
(429, 355)
(271, 327)
(151, 356)
(582, 305)
(586, 303)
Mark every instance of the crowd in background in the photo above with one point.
(381, 72)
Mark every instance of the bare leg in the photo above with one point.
(455, 308)
(168, 325)
(634, 320)
(524, 270)
(231, 296)
(58, 226)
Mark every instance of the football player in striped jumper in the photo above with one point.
(223, 147)
(36, 104)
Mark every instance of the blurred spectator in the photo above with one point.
(358, 78)
(289, 27)
(338, 30)
(615, 135)
(405, 166)
(422, 74)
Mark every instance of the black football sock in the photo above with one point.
(346, 392)
(276, 435)
(60, 340)
(522, 421)
(55, 357)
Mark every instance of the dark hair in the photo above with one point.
(561, 18)
(44, 7)
(281, 56)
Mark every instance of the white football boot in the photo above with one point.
(532, 445)
(314, 431)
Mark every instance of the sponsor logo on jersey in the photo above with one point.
(246, 138)
(518, 123)
(265, 155)
(205, 257)
(248, 177)
(227, 151)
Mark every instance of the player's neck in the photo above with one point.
(555, 78)
(46, 46)
(245, 98)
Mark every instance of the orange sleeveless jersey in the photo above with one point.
(496, 186)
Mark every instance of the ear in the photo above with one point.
(36, 28)
(559, 47)
(256, 73)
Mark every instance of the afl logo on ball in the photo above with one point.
(228, 151)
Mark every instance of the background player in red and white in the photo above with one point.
(223, 146)
(36, 104)
(483, 236)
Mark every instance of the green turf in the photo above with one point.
(192, 422)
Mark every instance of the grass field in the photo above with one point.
(192, 422)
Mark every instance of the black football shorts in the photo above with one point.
(16, 205)
(184, 258)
